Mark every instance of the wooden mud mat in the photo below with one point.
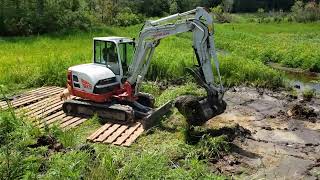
(117, 134)
(44, 107)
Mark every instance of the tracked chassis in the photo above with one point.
(123, 113)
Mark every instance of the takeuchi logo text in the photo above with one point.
(160, 34)
(86, 84)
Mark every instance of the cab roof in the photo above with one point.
(114, 39)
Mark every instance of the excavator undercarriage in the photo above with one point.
(121, 112)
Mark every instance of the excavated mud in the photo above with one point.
(282, 139)
(49, 141)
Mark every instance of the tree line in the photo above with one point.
(24, 17)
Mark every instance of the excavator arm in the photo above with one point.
(200, 23)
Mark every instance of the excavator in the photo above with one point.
(110, 86)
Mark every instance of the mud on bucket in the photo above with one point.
(198, 110)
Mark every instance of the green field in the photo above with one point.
(244, 48)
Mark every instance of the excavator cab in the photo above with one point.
(114, 52)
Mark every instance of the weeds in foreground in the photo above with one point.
(308, 94)
(161, 155)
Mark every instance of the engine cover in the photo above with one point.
(85, 77)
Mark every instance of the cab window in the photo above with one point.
(126, 51)
(106, 53)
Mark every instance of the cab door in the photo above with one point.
(126, 53)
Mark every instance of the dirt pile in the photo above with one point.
(301, 110)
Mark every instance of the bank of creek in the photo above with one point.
(282, 139)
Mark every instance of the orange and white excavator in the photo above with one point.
(109, 87)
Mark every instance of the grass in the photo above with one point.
(291, 44)
(43, 60)
(246, 47)
(162, 154)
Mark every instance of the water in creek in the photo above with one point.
(300, 79)
(304, 81)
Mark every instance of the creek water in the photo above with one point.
(299, 78)
(304, 81)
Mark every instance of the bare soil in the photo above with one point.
(285, 135)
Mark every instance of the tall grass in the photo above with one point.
(291, 44)
(43, 60)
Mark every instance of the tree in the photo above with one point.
(227, 5)
(173, 7)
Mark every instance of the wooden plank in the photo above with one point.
(70, 121)
(41, 105)
(65, 119)
(126, 134)
(23, 96)
(107, 133)
(62, 116)
(47, 110)
(31, 98)
(116, 134)
(98, 132)
(44, 105)
(51, 116)
(44, 94)
(75, 124)
(35, 102)
(17, 104)
(134, 136)
(46, 113)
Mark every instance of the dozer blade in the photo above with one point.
(150, 120)
(199, 110)
(111, 111)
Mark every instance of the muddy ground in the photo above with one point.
(285, 135)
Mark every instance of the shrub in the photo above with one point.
(127, 19)
(308, 12)
(220, 15)
(308, 94)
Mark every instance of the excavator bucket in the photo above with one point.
(198, 110)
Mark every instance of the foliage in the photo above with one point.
(70, 165)
(291, 45)
(220, 15)
(29, 17)
(127, 18)
(246, 47)
(212, 147)
(16, 159)
(308, 94)
(305, 12)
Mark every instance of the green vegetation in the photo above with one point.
(308, 94)
(162, 154)
(43, 60)
(26, 17)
